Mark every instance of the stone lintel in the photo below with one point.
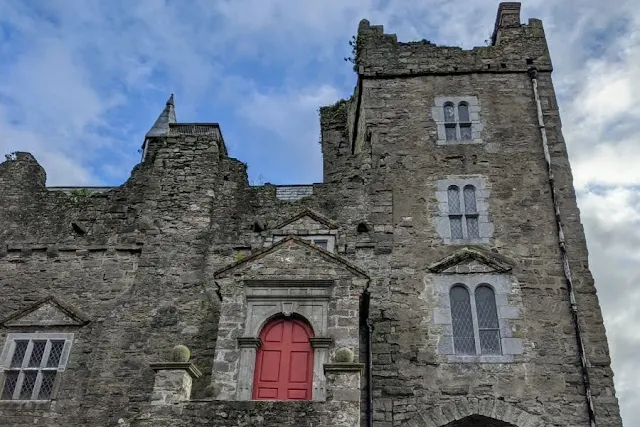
(249, 342)
(343, 367)
(321, 342)
(273, 283)
(189, 367)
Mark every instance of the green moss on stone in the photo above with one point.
(180, 353)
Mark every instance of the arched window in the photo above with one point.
(284, 362)
(457, 121)
(464, 121)
(488, 327)
(463, 213)
(450, 122)
(471, 212)
(462, 321)
(455, 213)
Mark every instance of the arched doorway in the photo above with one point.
(479, 421)
(284, 362)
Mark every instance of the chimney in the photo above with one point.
(508, 17)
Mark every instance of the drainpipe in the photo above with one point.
(533, 74)
(369, 360)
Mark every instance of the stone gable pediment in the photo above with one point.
(306, 220)
(469, 261)
(47, 312)
(295, 257)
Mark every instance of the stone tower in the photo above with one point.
(438, 277)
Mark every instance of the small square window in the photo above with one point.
(323, 243)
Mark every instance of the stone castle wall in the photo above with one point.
(140, 261)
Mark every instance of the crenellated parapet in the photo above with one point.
(515, 47)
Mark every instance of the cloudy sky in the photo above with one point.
(81, 81)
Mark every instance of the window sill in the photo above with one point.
(459, 141)
(489, 359)
(25, 404)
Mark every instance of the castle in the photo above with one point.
(438, 277)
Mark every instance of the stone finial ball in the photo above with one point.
(344, 355)
(180, 353)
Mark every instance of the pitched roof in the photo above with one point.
(295, 239)
(472, 259)
(161, 126)
(311, 214)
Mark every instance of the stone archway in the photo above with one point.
(475, 413)
(479, 421)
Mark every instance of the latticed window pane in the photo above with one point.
(18, 354)
(463, 112)
(27, 384)
(490, 342)
(10, 380)
(55, 353)
(473, 232)
(465, 132)
(469, 194)
(48, 378)
(453, 199)
(36, 353)
(449, 115)
(488, 320)
(486, 308)
(455, 223)
(462, 323)
(450, 132)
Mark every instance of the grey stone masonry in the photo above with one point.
(293, 192)
(172, 383)
(186, 252)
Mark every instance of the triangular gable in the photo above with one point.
(466, 261)
(287, 241)
(310, 214)
(46, 313)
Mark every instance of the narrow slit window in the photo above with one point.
(488, 326)
(455, 213)
(463, 112)
(450, 122)
(471, 212)
(464, 342)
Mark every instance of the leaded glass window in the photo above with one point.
(457, 122)
(450, 122)
(462, 321)
(455, 213)
(32, 363)
(474, 321)
(488, 327)
(463, 213)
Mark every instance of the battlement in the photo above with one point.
(515, 47)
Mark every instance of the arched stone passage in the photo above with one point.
(475, 413)
(479, 421)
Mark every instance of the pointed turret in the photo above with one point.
(161, 126)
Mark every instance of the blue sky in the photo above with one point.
(82, 81)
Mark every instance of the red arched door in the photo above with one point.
(284, 362)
